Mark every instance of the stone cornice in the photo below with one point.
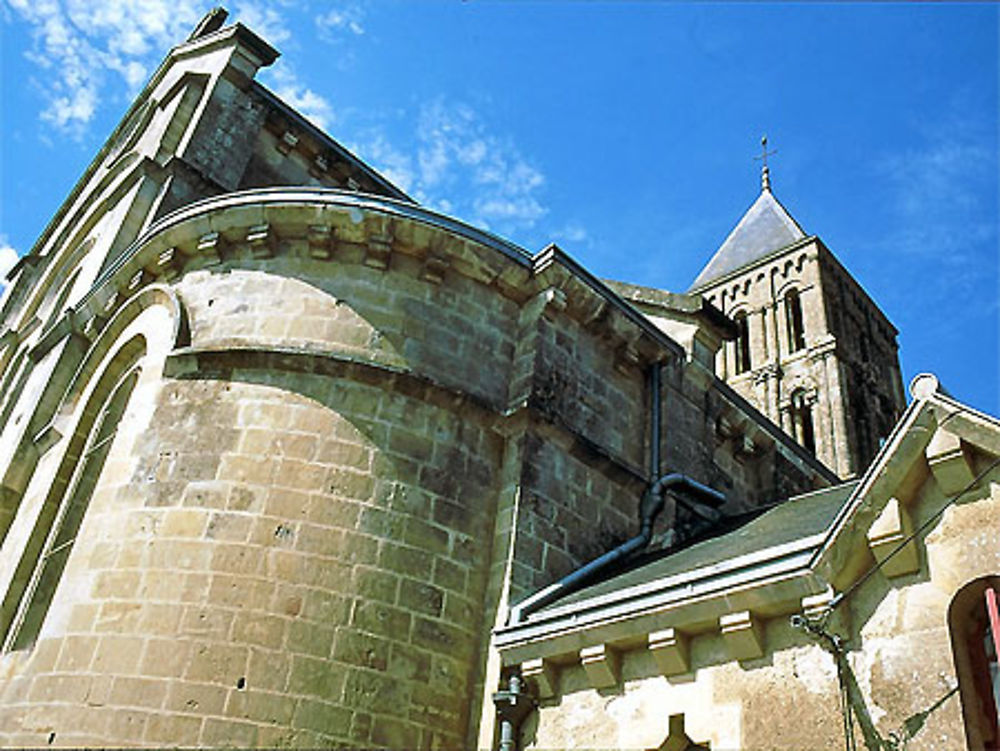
(260, 225)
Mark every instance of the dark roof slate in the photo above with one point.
(765, 227)
(795, 519)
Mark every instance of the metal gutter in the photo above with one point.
(782, 563)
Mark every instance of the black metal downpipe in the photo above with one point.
(649, 508)
(654, 420)
(512, 705)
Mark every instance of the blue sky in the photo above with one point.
(625, 132)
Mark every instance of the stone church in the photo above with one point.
(288, 460)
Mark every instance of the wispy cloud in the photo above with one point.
(573, 233)
(453, 161)
(939, 193)
(284, 81)
(264, 19)
(938, 178)
(449, 155)
(347, 17)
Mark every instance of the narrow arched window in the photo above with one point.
(742, 343)
(88, 450)
(793, 320)
(974, 623)
(802, 420)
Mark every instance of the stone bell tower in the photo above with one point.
(813, 351)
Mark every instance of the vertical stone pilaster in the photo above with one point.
(846, 463)
(758, 337)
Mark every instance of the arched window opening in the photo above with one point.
(742, 343)
(88, 451)
(793, 319)
(802, 420)
(974, 623)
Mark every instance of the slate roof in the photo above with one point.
(765, 227)
(795, 519)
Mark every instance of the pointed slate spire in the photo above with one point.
(765, 227)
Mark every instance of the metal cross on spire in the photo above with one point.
(765, 173)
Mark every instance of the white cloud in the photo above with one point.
(8, 257)
(343, 18)
(453, 162)
(573, 233)
(264, 19)
(940, 195)
(82, 46)
(283, 80)
(393, 163)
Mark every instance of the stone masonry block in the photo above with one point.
(743, 635)
(602, 665)
(671, 651)
(543, 674)
(885, 536)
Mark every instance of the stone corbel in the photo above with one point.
(168, 263)
(379, 251)
(743, 635)
(726, 428)
(745, 446)
(591, 315)
(552, 300)
(287, 142)
(138, 280)
(319, 167)
(210, 247)
(93, 327)
(949, 461)
(543, 675)
(261, 241)
(887, 533)
(602, 664)
(320, 239)
(434, 268)
(108, 308)
(670, 650)
(512, 280)
(627, 358)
